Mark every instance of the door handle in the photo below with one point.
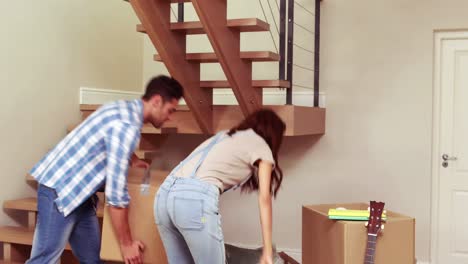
(446, 157)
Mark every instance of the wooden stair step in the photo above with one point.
(18, 235)
(208, 57)
(24, 204)
(255, 84)
(88, 109)
(146, 129)
(30, 204)
(94, 107)
(196, 27)
(300, 120)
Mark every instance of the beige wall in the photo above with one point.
(48, 49)
(377, 61)
(377, 71)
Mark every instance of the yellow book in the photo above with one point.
(341, 214)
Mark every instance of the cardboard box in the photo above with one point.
(326, 241)
(141, 220)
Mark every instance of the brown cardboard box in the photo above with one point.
(326, 241)
(141, 221)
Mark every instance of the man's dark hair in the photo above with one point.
(167, 87)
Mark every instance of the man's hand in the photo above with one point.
(132, 252)
(138, 163)
(131, 249)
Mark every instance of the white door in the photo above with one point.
(451, 149)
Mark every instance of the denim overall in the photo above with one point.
(187, 215)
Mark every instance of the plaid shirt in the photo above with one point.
(96, 152)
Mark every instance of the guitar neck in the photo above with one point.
(370, 249)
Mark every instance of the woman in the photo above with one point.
(186, 206)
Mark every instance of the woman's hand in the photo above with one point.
(266, 258)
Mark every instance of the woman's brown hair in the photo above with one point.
(268, 125)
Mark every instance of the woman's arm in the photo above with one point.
(264, 202)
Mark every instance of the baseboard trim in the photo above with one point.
(101, 96)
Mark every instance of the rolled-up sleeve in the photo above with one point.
(121, 141)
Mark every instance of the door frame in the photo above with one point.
(439, 37)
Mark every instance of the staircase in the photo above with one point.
(169, 39)
(200, 116)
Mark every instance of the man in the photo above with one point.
(95, 154)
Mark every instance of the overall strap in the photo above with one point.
(205, 151)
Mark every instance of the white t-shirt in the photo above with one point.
(231, 161)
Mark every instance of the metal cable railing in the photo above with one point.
(266, 20)
(285, 27)
(285, 30)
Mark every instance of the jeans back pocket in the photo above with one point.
(188, 213)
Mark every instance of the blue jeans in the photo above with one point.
(53, 230)
(188, 220)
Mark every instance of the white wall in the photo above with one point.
(48, 49)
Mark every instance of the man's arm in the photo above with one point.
(121, 140)
(130, 249)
